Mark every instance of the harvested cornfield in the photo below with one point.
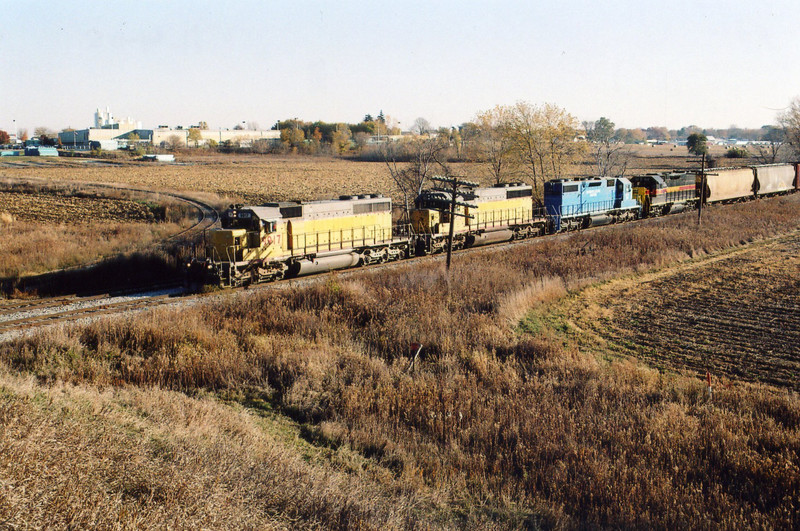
(736, 315)
(61, 209)
(244, 179)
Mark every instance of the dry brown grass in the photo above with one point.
(492, 427)
(29, 248)
(83, 457)
(46, 226)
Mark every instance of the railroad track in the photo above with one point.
(208, 215)
(17, 316)
(21, 317)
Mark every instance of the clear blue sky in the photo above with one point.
(639, 63)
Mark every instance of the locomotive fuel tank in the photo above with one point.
(485, 238)
(323, 264)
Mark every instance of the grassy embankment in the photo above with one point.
(301, 407)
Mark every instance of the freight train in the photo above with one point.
(290, 239)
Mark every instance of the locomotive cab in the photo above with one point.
(427, 219)
(664, 193)
(245, 235)
(646, 189)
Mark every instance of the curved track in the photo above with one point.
(21, 315)
(208, 215)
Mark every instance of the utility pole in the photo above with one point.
(453, 188)
(702, 189)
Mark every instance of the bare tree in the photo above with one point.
(174, 142)
(412, 163)
(775, 147)
(492, 146)
(43, 131)
(421, 126)
(790, 120)
(611, 157)
(543, 140)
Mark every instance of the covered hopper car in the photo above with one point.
(725, 185)
(775, 179)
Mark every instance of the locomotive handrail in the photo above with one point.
(365, 235)
(505, 217)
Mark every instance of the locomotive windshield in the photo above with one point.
(240, 219)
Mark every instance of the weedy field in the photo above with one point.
(46, 226)
(304, 407)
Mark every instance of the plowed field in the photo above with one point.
(736, 315)
(71, 209)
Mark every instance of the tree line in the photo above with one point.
(531, 142)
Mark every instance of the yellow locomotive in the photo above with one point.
(277, 240)
(486, 215)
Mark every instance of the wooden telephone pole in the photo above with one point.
(702, 189)
(453, 185)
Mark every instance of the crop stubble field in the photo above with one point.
(59, 209)
(254, 179)
(246, 179)
(736, 315)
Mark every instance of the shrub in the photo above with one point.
(737, 153)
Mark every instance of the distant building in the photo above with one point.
(41, 151)
(125, 132)
(165, 136)
(105, 120)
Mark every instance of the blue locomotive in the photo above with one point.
(573, 204)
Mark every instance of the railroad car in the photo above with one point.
(277, 240)
(729, 185)
(738, 184)
(665, 193)
(499, 213)
(573, 204)
(775, 179)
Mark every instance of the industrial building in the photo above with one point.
(109, 133)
